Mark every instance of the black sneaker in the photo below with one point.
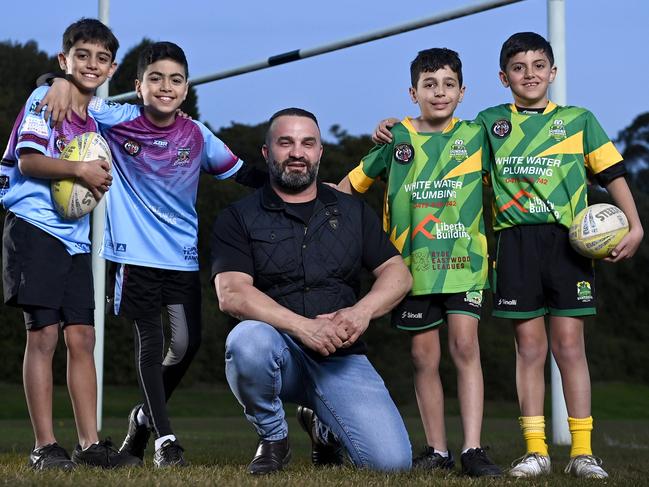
(50, 457)
(170, 454)
(429, 459)
(104, 455)
(476, 463)
(323, 454)
(137, 435)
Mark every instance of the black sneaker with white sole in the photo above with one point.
(49, 457)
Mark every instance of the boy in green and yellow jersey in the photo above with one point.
(541, 156)
(433, 170)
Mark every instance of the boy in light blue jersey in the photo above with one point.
(151, 232)
(46, 260)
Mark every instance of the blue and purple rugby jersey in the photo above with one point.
(30, 198)
(151, 216)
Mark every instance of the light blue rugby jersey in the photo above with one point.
(151, 216)
(30, 198)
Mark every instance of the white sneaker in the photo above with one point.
(530, 465)
(586, 466)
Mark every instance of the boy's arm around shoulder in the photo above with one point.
(621, 194)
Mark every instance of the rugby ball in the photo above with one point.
(597, 229)
(71, 198)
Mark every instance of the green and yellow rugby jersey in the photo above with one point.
(433, 203)
(540, 160)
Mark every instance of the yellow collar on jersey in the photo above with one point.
(407, 122)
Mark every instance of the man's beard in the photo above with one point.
(292, 181)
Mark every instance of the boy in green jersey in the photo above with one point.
(433, 170)
(541, 155)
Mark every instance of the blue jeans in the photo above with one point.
(265, 367)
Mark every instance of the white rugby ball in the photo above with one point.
(597, 229)
(71, 198)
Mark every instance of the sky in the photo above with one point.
(607, 62)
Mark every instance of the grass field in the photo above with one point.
(219, 443)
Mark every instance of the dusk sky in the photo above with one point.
(607, 71)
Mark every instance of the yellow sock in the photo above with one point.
(580, 431)
(534, 433)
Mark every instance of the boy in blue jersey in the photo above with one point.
(46, 260)
(151, 233)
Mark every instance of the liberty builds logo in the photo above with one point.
(440, 230)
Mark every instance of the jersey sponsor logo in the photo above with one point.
(458, 151)
(473, 298)
(61, 142)
(558, 130)
(160, 143)
(501, 128)
(182, 157)
(131, 147)
(404, 153)
(440, 230)
(412, 316)
(584, 292)
(507, 302)
(120, 247)
(35, 125)
(190, 253)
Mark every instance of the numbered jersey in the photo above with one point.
(433, 203)
(29, 198)
(540, 161)
(151, 215)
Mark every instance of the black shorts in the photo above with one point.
(141, 292)
(537, 272)
(40, 276)
(416, 313)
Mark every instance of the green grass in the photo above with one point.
(219, 443)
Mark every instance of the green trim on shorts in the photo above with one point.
(520, 315)
(419, 328)
(462, 312)
(573, 312)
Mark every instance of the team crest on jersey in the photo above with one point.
(404, 153)
(61, 142)
(458, 151)
(182, 156)
(584, 292)
(131, 147)
(474, 298)
(5, 183)
(420, 260)
(501, 128)
(558, 130)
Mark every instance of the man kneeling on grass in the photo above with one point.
(286, 261)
